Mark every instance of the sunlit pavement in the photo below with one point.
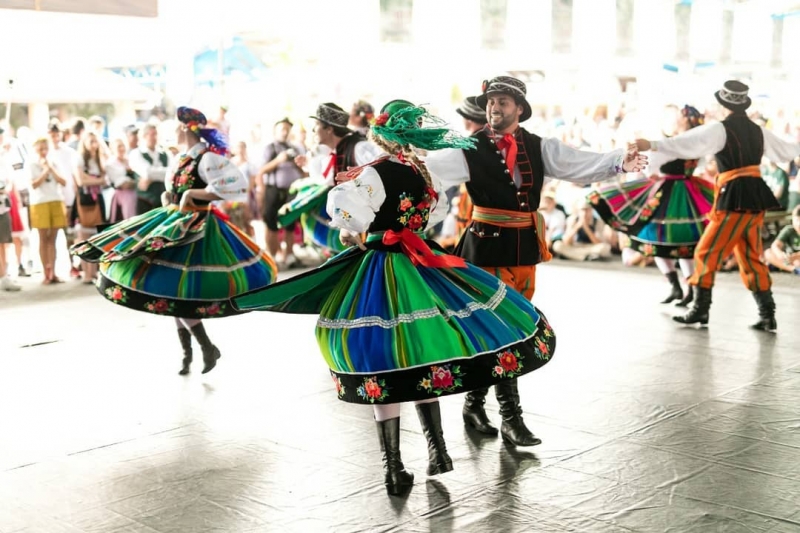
(646, 426)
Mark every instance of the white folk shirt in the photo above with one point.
(560, 162)
(219, 174)
(66, 161)
(711, 138)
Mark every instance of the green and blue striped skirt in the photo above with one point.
(183, 264)
(392, 331)
(663, 217)
(310, 208)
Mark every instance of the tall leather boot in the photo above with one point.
(698, 313)
(210, 352)
(676, 293)
(430, 417)
(513, 429)
(185, 337)
(396, 479)
(686, 299)
(766, 311)
(474, 414)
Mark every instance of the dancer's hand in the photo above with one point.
(187, 201)
(634, 161)
(643, 145)
(165, 199)
(351, 239)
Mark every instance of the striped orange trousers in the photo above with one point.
(727, 232)
(520, 278)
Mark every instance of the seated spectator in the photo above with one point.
(784, 254)
(778, 181)
(554, 218)
(631, 257)
(582, 241)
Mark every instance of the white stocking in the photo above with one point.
(386, 412)
(665, 265)
(687, 267)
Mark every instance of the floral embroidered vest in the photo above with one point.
(408, 202)
(187, 176)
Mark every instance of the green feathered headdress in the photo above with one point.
(404, 123)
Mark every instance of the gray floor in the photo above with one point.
(646, 426)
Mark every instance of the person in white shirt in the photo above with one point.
(66, 161)
(123, 179)
(150, 162)
(47, 207)
(554, 218)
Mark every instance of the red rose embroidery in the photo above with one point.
(161, 306)
(116, 294)
(213, 309)
(157, 244)
(405, 204)
(442, 378)
(373, 389)
(543, 347)
(498, 370)
(509, 362)
(415, 222)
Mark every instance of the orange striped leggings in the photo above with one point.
(520, 278)
(728, 232)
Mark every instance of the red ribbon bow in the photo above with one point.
(419, 252)
(508, 142)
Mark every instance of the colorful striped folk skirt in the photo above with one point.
(392, 331)
(184, 264)
(309, 206)
(663, 217)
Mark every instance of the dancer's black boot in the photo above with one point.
(698, 313)
(210, 352)
(185, 337)
(396, 479)
(513, 428)
(475, 415)
(766, 311)
(676, 293)
(686, 299)
(430, 417)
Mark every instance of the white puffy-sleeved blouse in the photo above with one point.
(354, 204)
(220, 175)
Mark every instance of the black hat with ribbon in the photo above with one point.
(733, 96)
(510, 86)
(470, 110)
(332, 115)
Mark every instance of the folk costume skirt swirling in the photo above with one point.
(183, 264)
(310, 207)
(663, 217)
(395, 331)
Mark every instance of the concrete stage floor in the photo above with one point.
(646, 426)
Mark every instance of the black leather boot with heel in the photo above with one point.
(210, 352)
(395, 477)
(185, 337)
(698, 313)
(513, 429)
(686, 299)
(474, 413)
(430, 417)
(677, 292)
(766, 311)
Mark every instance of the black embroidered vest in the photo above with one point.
(187, 176)
(492, 185)
(408, 202)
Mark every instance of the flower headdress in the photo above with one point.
(404, 123)
(196, 122)
(695, 117)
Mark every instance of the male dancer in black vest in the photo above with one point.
(740, 199)
(349, 149)
(150, 162)
(504, 178)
